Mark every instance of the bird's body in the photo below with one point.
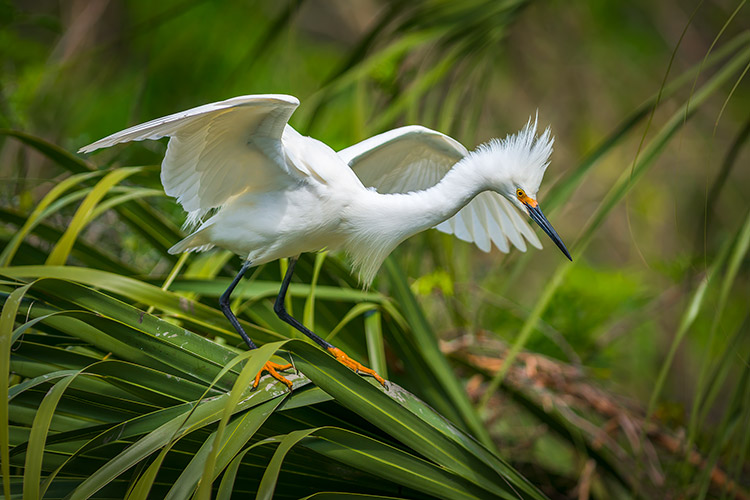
(330, 209)
(255, 186)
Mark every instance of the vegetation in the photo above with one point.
(624, 374)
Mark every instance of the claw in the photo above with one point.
(356, 366)
(272, 368)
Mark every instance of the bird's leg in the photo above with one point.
(282, 313)
(270, 366)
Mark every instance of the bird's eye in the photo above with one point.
(520, 193)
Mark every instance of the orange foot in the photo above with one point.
(271, 368)
(354, 365)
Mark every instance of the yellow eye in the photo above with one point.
(520, 193)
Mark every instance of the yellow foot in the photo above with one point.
(354, 365)
(272, 368)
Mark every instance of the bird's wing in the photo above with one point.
(219, 150)
(414, 158)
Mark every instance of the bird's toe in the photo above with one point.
(355, 366)
(273, 369)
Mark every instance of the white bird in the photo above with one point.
(255, 186)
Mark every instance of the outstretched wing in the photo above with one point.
(219, 150)
(414, 158)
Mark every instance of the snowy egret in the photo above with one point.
(253, 185)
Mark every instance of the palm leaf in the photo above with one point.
(151, 413)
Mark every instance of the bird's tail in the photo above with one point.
(195, 242)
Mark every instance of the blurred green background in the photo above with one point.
(649, 183)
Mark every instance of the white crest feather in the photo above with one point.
(524, 152)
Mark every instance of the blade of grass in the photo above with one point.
(736, 258)
(431, 436)
(52, 151)
(375, 345)
(206, 413)
(82, 217)
(627, 180)
(136, 290)
(35, 452)
(36, 381)
(87, 254)
(563, 189)
(142, 487)
(271, 475)
(309, 310)
(129, 195)
(171, 276)
(226, 487)
(243, 381)
(388, 462)
(7, 318)
(355, 311)
(238, 433)
(36, 215)
(687, 320)
(426, 341)
(260, 289)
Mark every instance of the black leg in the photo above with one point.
(270, 366)
(335, 352)
(224, 304)
(281, 312)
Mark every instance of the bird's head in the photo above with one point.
(514, 167)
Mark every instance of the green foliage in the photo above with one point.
(153, 393)
(586, 305)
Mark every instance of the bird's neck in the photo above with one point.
(421, 210)
(385, 220)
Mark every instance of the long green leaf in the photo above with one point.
(426, 342)
(375, 345)
(259, 289)
(88, 254)
(139, 291)
(391, 463)
(52, 151)
(244, 380)
(334, 495)
(271, 475)
(445, 444)
(309, 311)
(142, 488)
(35, 216)
(627, 180)
(82, 217)
(38, 436)
(206, 413)
(736, 258)
(238, 432)
(7, 318)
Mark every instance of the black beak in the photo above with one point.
(536, 214)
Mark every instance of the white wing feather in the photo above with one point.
(219, 150)
(413, 158)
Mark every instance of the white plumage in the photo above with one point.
(275, 193)
(414, 158)
(255, 186)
